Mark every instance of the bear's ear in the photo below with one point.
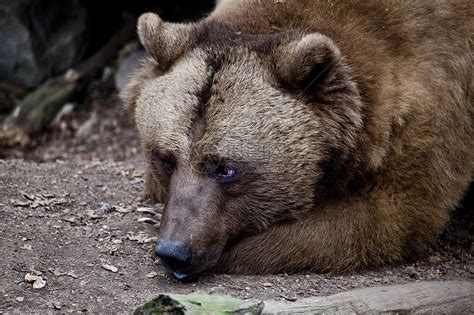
(307, 63)
(163, 41)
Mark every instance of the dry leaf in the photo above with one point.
(148, 210)
(147, 220)
(110, 267)
(140, 237)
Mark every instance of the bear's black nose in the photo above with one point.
(174, 254)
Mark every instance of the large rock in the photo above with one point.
(39, 38)
(131, 59)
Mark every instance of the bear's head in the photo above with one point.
(240, 131)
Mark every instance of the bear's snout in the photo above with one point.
(174, 254)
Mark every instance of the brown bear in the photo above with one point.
(305, 135)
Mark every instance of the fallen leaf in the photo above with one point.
(151, 239)
(122, 209)
(91, 214)
(140, 237)
(28, 196)
(70, 220)
(56, 272)
(147, 220)
(148, 210)
(110, 267)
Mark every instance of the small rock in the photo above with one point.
(110, 268)
(26, 246)
(151, 274)
(106, 208)
(38, 282)
(30, 278)
(267, 284)
(20, 298)
(57, 305)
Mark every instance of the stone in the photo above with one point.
(39, 38)
(128, 64)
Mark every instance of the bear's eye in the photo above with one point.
(225, 173)
(222, 171)
(167, 164)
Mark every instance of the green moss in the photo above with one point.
(197, 303)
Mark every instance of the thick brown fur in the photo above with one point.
(372, 103)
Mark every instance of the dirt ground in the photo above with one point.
(69, 211)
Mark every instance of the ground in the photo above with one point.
(68, 214)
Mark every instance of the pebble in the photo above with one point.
(106, 208)
(38, 282)
(110, 268)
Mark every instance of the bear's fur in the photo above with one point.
(349, 126)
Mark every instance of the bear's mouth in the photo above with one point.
(181, 276)
(198, 266)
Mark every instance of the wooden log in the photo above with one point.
(433, 297)
(196, 303)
